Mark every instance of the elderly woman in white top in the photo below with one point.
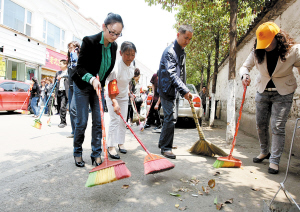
(123, 73)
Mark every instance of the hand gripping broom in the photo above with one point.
(229, 161)
(37, 122)
(152, 163)
(108, 171)
(202, 146)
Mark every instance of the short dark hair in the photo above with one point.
(185, 27)
(137, 72)
(64, 61)
(127, 45)
(113, 18)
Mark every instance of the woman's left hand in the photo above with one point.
(116, 106)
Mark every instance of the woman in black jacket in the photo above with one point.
(97, 57)
(35, 96)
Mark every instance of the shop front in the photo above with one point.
(52, 63)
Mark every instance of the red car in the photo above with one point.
(13, 94)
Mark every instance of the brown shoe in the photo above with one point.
(169, 154)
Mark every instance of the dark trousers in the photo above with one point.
(153, 117)
(62, 101)
(72, 108)
(166, 138)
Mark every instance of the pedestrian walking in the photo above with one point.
(97, 57)
(35, 97)
(43, 96)
(123, 73)
(171, 80)
(73, 52)
(135, 88)
(48, 88)
(62, 91)
(274, 55)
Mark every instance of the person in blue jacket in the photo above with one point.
(171, 81)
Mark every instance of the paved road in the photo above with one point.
(38, 173)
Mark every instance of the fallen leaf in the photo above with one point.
(255, 189)
(194, 195)
(199, 192)
(212, 183)
(183, 180)
(206, 190)
(219, 206)
(125, 186)
(216, 201)
(174, 194)
(179, 199)
(217, 173)
(177, 206)
(230, 201)
(183, 208)
(251, 171)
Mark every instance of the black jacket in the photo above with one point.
(90, 58)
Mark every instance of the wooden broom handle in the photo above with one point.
(201, 134)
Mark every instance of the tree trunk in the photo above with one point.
(207, 87)
(201, 78)
(231, 74)
(214, 82)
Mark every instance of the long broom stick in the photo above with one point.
(28, 95)
(229, 161)
(37, 122)
(152, 163)
(202, 146)
(108, 171)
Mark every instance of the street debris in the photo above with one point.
(255, 189)
(229, 201)
(212, 183)
(176, 205)
(219, 206)
(217, 173)
(125, 186)
(194, 195)
(206, 190)
(183, 208)
(216, 200)
(174, 194)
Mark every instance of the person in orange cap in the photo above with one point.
(274, 55)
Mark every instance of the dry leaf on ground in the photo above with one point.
(176, 205)
(219, 206)
(125, 186)
(255, 189)
(217, 173)
(230, 201)
(199, 192)
(206, 190)
(183, 180)
(212, 183)
(183, 208)
(174, 194)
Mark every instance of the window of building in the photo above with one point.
(77, 39)
(16, 17)
(53, 35)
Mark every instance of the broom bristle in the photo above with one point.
(202, 147)
(226, 162)
(216, 150)
(156, 164)
(122, 171)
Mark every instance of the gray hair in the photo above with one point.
(185, 27)
(127, 45)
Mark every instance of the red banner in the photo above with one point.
(53, 58)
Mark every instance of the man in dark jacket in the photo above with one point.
(171, 80)
(62, 91)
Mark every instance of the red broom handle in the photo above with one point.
(238, 122)
(28, 94)
(136, 111)
(102, 123)
(136, 136)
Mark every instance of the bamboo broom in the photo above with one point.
(202, 146)
(108, 171)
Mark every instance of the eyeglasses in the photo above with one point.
(112, 33)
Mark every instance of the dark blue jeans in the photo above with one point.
(85, 98)
(34, 105)
(72, 109)
(272, 105)
(44, 101)
(167, 132)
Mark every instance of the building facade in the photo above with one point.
(34, 36)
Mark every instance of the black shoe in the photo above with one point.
(169, 154)
(79, 163)
(113, 156)
(94, 160)
(257, 160)
(158, 127)
(62, 125)
(272, 171)
(147, 126)
(124, 151)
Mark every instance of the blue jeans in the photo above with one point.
(34, 106)
(167, 132)
(272, 105)
(72, 109)
(44, 101)
(83, 99)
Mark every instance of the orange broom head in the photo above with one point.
(25, 112)
(227, 162)
(107, 172)
(155, 164)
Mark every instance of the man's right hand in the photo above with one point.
(246, 80)
(188, 96)
(96, 84)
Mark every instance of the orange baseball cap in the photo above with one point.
(265, 34)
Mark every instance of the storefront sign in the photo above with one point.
(53, 58)
(2, 67)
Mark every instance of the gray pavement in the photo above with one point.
(38, 172)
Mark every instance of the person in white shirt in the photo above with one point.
(123, 73)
